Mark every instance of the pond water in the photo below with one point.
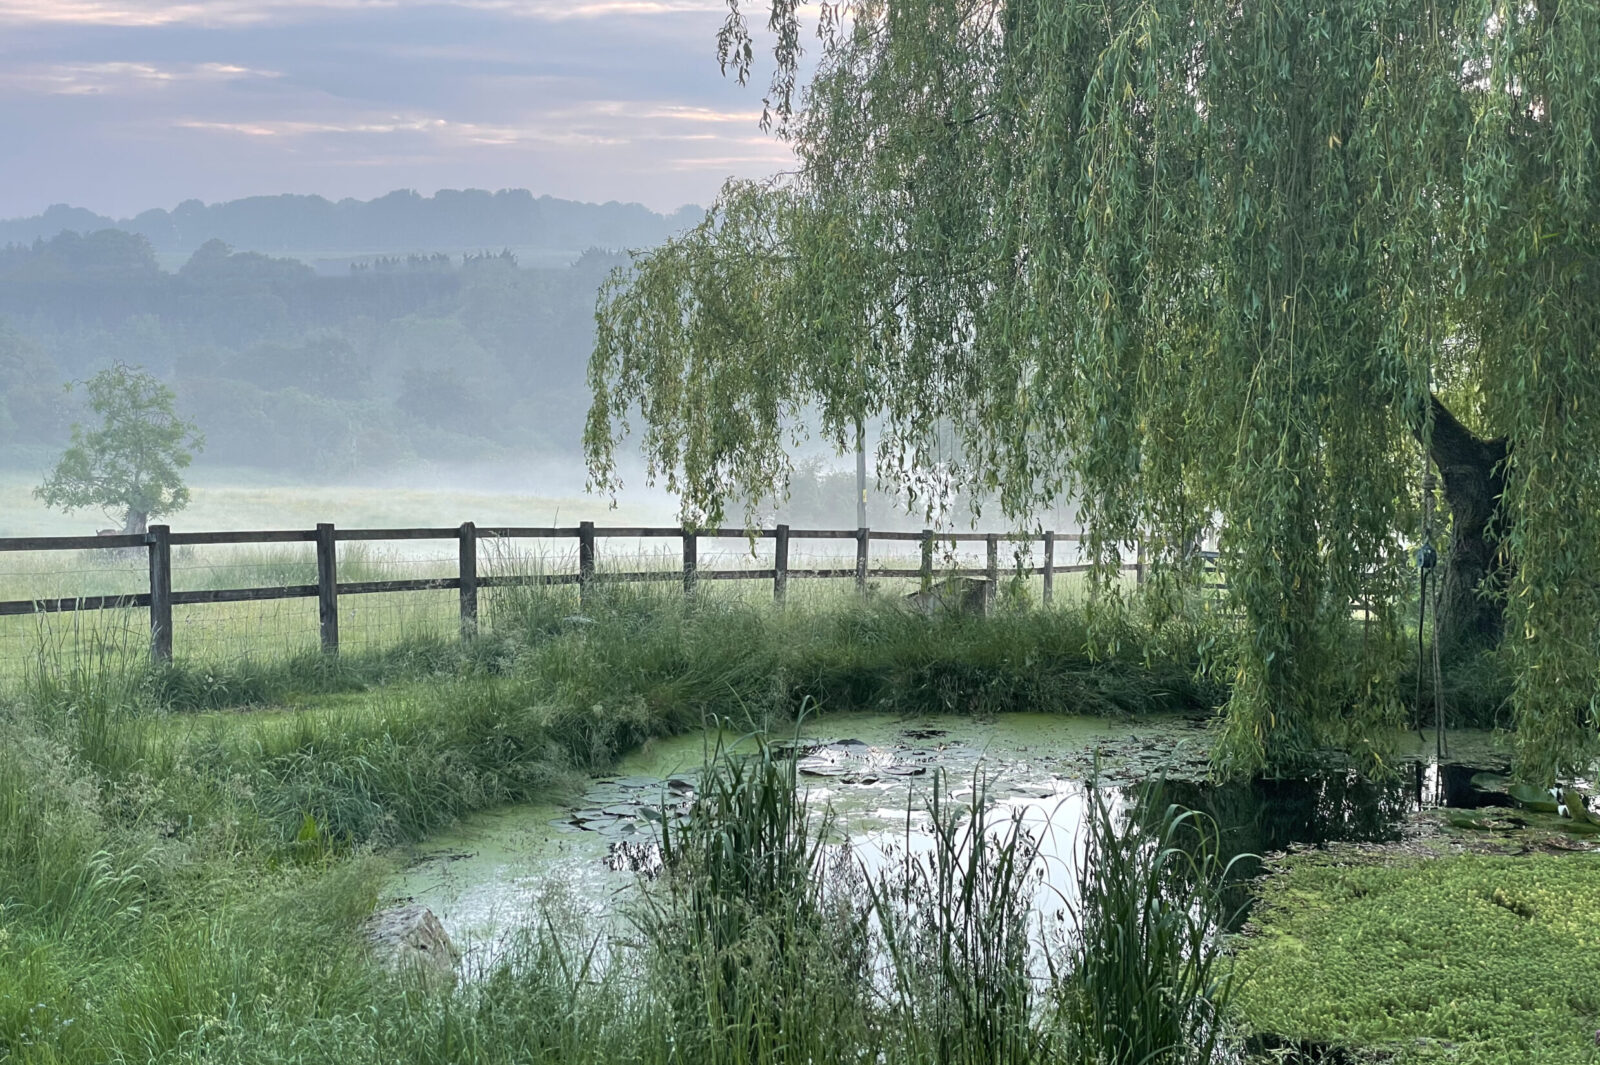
(498, 871)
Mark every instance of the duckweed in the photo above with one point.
(1468, 959)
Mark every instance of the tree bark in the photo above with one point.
(1472, 472)
(136, 523)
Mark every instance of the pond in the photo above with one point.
(498, 871)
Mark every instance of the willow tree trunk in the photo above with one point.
(1472, 471)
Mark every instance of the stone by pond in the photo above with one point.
(500, 870)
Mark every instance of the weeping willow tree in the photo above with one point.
(1191, 263)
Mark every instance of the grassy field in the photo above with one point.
(240, 633)
(225, 500)
(184, 882)
(218, 634)
(243, 499)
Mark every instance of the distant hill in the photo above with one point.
(449, 221)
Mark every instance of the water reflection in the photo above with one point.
(489, 877)
(1266, 815)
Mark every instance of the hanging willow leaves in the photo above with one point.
(1191, 263)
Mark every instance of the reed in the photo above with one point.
(954, 922)
(753, 957)
(1143, 981)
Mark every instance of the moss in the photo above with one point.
(1467, 959)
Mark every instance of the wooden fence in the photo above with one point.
(328, 590)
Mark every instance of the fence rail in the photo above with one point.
(161, 598)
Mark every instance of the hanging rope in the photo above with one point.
(1427, 564)
(1427, 558)
(1441, 747)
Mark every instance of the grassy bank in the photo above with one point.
(180, 881)
(724, 654)
(129, 934)
(219, 634)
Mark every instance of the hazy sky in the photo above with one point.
(121, 105)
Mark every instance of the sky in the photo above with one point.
(124, 105)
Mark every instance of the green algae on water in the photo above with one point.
(1470, 959)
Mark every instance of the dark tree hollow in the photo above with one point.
(1471, 613)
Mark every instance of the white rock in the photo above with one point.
(411, 937)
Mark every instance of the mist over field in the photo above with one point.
(404, 360)
(410, 336)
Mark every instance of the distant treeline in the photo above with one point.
(422, 356)
(402, 221)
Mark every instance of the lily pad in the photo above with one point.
(1572, 799)
(1531, 798)
(820, 767)
(1478, 822)
(1495, 782)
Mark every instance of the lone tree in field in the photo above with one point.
(1186, 261)
(131, 464)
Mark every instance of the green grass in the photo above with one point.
(183, 882)
(249, 635)
(225, 498)
(1143, 980)
(725, 648)
(1477, 960)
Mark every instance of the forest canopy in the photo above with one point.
(320, 338)
(392, 361)
(1193, 264)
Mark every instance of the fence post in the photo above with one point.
(1049, 566)
(780, 564)
(863, 534)
(158, 537)
(927, 561)
(991, 567)
(328, 588)
(468, 570)
(585, 558)
(691, 553)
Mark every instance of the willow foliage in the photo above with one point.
(1190, 262)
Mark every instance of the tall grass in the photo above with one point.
(711, 653)
(179, 884)
(754, 958)
(955, 928)
(719, 654)
(176, 913)
(1143, 980)
(763, 952)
